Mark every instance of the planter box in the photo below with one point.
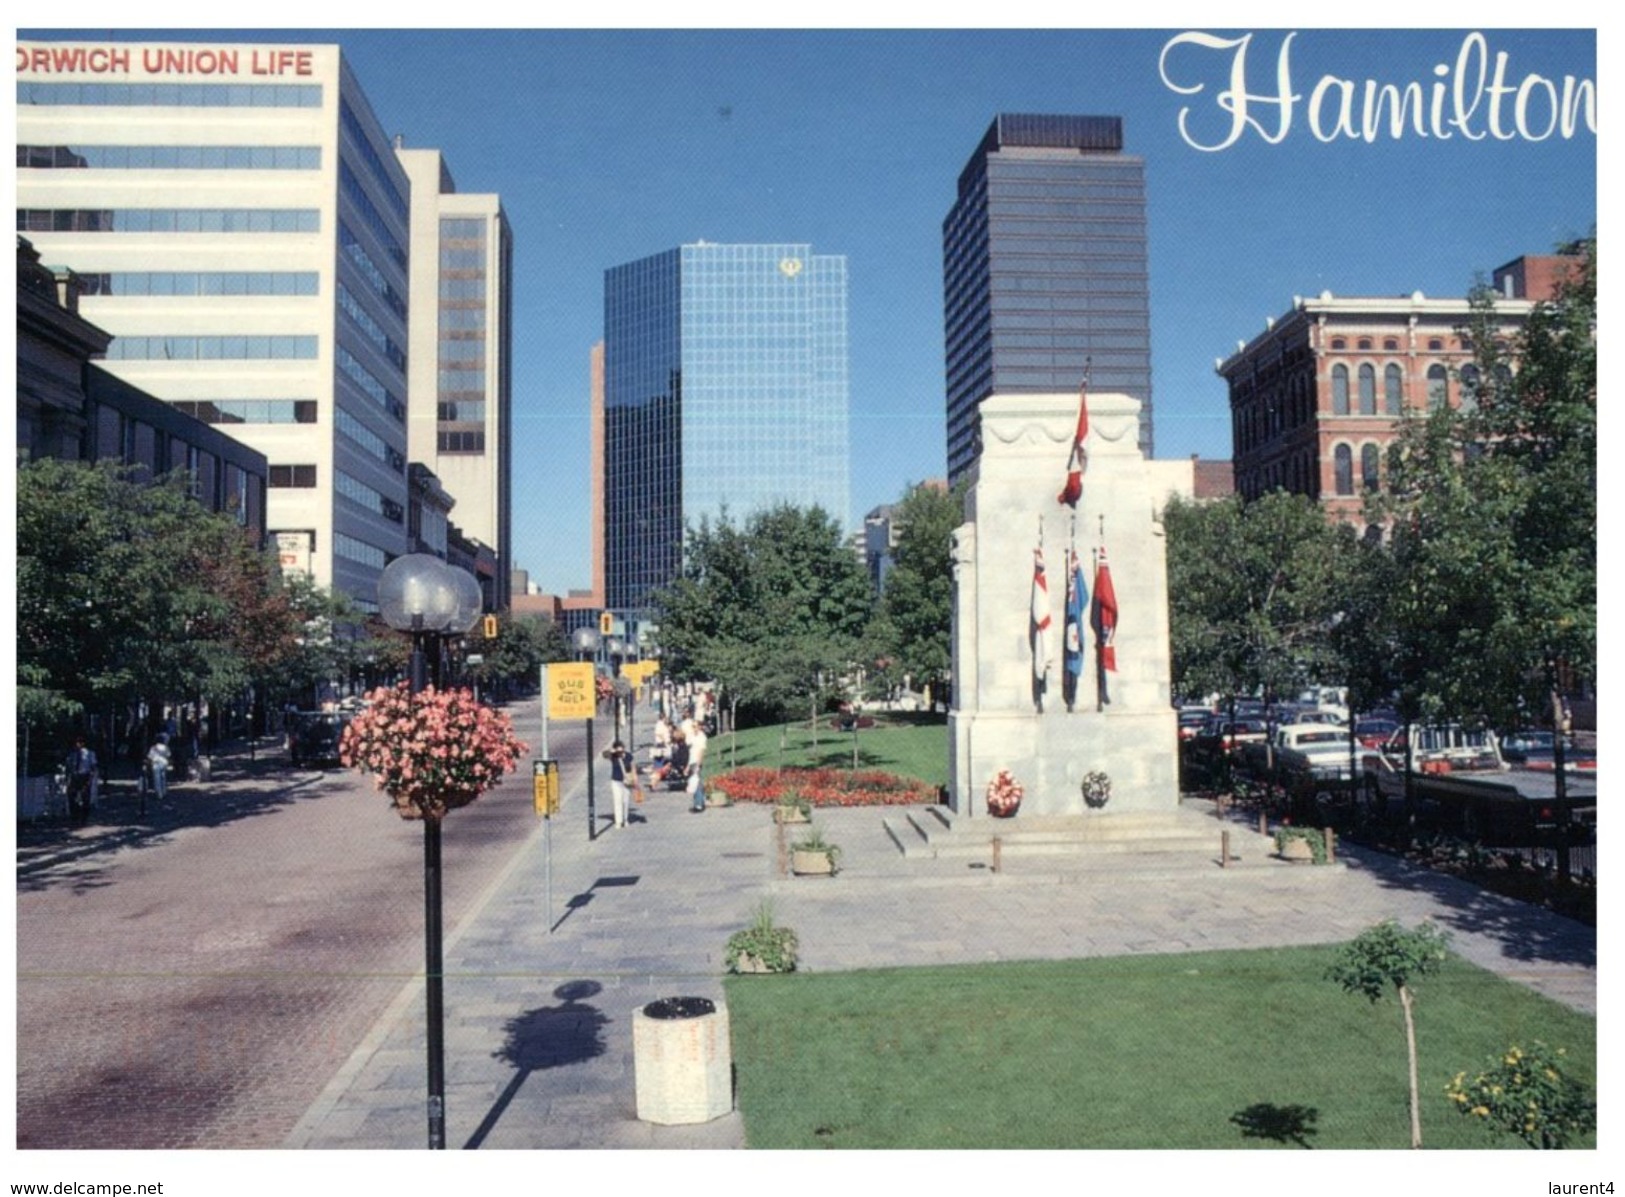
(789, 814)
(811, 864)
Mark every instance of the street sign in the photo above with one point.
(545, 787)
(571, 690)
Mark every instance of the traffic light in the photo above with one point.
(606, 624)
(490, 627)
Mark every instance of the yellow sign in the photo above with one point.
(606, 624)
(572, 692)
(545, 786)
(638, 672)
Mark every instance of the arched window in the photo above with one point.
(1369, 455)
(1393, 389)
(1469, 387)
(1343, 470)
(1435, 344)
(1339, 343)
(1340, 390)
(1390, 343)
(1438, 387)
(1368, 390)
(1503, 382)
(1365, 342)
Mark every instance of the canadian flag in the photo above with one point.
(1078, 461)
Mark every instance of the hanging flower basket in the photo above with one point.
(431, 752)
(1004, 795)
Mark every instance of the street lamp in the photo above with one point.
(421, 594)
(586, 642)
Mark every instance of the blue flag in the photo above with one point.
(1077, 600)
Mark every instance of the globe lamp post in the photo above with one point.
(421, 594)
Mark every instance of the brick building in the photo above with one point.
(1316, 398)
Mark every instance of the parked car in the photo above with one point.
(1192, 720)
(1374, 733)
(313, 737)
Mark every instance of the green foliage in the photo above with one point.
(127, 589)
(774, 946)
(813, 841)
(515, 656)
(1254, 590)
(1527, 1094)
(772, 612)
(1493, 508)
(916, 607)
(1388, 956)
(1313, 836)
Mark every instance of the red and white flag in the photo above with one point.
(1079, 459)
(1040, 617)
(1105, 613)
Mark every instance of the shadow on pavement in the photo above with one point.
(546, 1037)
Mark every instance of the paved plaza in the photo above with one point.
(541, 990)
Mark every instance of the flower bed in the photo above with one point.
(822, 787)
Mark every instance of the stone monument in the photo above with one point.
(1016, 706)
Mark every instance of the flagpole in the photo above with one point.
(1100, 659)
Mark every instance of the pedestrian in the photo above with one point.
(158, 765)
(696, 737)
(676, 758)
(81, 768)
(661, 751)
(620, 765)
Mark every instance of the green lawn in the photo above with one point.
(909, 745)
(1210, 1050)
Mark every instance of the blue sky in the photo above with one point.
(610, 145)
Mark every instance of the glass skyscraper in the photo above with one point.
(1044, 266)
(725, 388)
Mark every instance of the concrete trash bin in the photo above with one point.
(682, 1061)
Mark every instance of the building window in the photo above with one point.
(1436, 344)
(1365, 343)
(1438, 387)
(1339, 343)
(1391, 344)
(301, 476)
(461, 442)
(1343, 470)
(1368, 390)
(1393, 389)
(1340, 390)
(1369, 458)
(1469, 387)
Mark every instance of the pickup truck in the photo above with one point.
(1302, 752)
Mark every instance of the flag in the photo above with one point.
(1079, 459)
(1077, 598)
(1040, 617)
(1105, 613)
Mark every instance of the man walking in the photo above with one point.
(697, 740)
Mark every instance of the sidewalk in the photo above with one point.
(538, 1035)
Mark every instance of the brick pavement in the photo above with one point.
(193, 978)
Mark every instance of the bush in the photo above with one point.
(774, 946)
(1314, 836)
(1525, 1093)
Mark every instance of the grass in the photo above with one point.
(906, 744)
(1201, 1050)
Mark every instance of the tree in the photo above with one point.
(516, 654)
(1388, 956)
(772, 611)
(1254, 590)
(916, 608)
(129, 590)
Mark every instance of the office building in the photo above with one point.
(71, 409)
(241, 225)
(1317, 398)
(1044, 270)
(725, 389)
